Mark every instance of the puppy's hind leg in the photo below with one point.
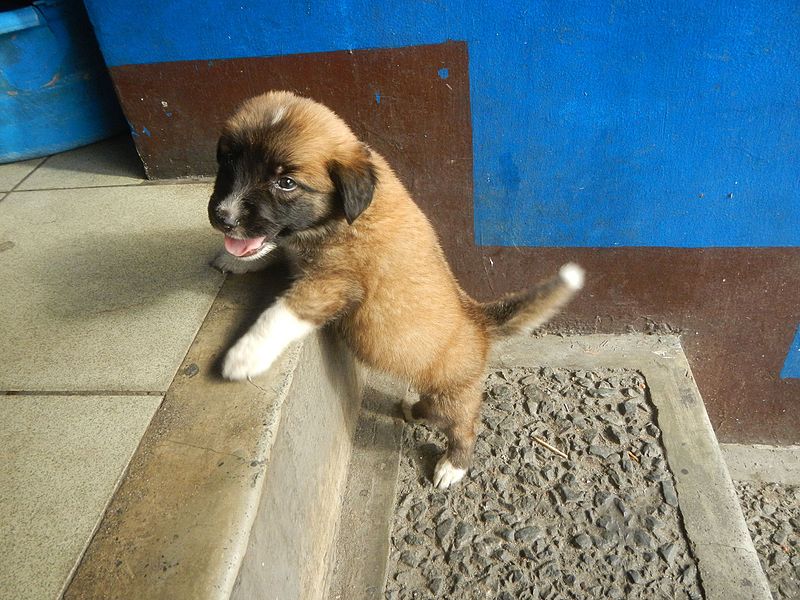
(457, 413)
(452, 467)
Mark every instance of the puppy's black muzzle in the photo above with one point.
(226, 221)
(222, 219)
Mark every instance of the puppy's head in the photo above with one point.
(288, 167)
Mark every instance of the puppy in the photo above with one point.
(292, 175)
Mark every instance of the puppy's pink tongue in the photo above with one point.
(243, 247)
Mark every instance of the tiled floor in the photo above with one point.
(110, 162)
(105, 282)
(62, 457)
(12, 174)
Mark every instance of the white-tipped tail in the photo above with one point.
(572, 275)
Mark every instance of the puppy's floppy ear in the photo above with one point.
(355, 182)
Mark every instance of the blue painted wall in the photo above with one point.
(595, 124)
(791, 368)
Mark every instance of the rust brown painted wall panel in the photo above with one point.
(424, 122)
(736, 308)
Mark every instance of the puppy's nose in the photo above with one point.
(226, 220)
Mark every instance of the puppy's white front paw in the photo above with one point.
(445, 474)
(244, 360)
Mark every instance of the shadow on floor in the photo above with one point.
(115, 156)
(113, 272)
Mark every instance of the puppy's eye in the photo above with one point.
(224, 152)
(287, 184)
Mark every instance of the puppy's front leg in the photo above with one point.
(274, 331)
(309, 304)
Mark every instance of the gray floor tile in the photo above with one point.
(60, 461)
(102, 289)
(110, 162)
(12, 173)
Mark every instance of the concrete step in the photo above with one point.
(235, 489)
(727, 564)
(278, 488)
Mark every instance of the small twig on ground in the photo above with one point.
(539, 440)
(633, 456)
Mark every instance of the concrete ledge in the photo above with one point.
(289, 551)
(363, 544)
(235, 488)
(757, 463)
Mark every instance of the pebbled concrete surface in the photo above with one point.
(713, 519)
(727, 562)
(772, 511)
(767, 480)
(528, 523)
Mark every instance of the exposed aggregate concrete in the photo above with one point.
(772, 512)
(527, 523)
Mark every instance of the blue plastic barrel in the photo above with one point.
(55, 93)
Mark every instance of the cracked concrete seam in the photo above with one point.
(204, 448)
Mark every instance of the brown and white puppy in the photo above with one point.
(292, 174)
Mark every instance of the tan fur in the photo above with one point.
(384, 279)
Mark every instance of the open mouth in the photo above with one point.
(246, 247)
